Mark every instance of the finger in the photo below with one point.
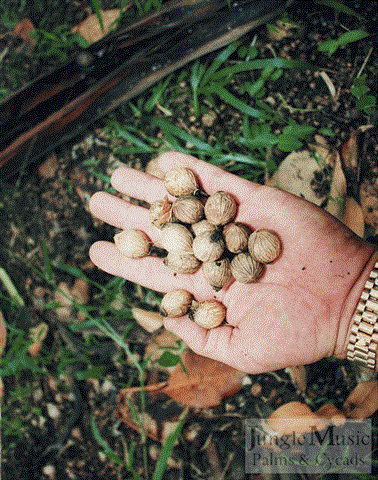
(146, 187)
(212, 178)
(138, 184)
(256, 202)
(221, 343)
(150, 272)
(122, 214)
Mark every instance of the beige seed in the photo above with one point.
(180, 181)
(236, 237)
(264, 246)
(209, 314)
(202, 226)
(176, 303)
(245, 269)
(187, 209)
(133, 243)
(176, 238)
(217, 273)
(182, 263)
(220, 208)
(208, 246)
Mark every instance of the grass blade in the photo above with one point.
(185, 136)
(339, 7)
(259, 64)
(97, 9)
(235, 102)
(219, 59)
(168, 448)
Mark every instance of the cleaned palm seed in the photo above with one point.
(182, 263)
(176, 238)
(217, 273)
(180, 181)
(176, 303)
(202, 226)
(188, 209)
(220, 208)
(133, 243)
(161, 212)
(236, 237)
(209, 314)
(245, 269)
(208, 246)
(264, 246)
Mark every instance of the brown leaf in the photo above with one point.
(349, 152)
(280, 30)
(23, 29)
(161, 415)
(298, 376)
(353, 217)
(156, 348)
(338, 189)
(90, 29)
(301, 174)
(37, 334)
(206, 382)
(363, 401)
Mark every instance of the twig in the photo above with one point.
(364, 62)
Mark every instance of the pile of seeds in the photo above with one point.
(197, 230)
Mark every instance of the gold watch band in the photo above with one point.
(363, 340)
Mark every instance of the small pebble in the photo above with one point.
(49, 471)
(37, 394)
(52, 411)
(107, 387)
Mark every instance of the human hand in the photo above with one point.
(297, 313)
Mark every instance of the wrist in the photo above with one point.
(351, 302)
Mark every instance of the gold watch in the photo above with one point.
(363, 340)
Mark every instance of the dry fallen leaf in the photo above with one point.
(23, 29)
(353, 217)
(156, 348)
(90, 29)
(349, 153)
(280, 30)
(301, 174)
(161, 415)
(206, 382)
(66, 295)
(363, 401)
(338, 189)
(298, 376)
(37, 335)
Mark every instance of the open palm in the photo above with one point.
(300, 309)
